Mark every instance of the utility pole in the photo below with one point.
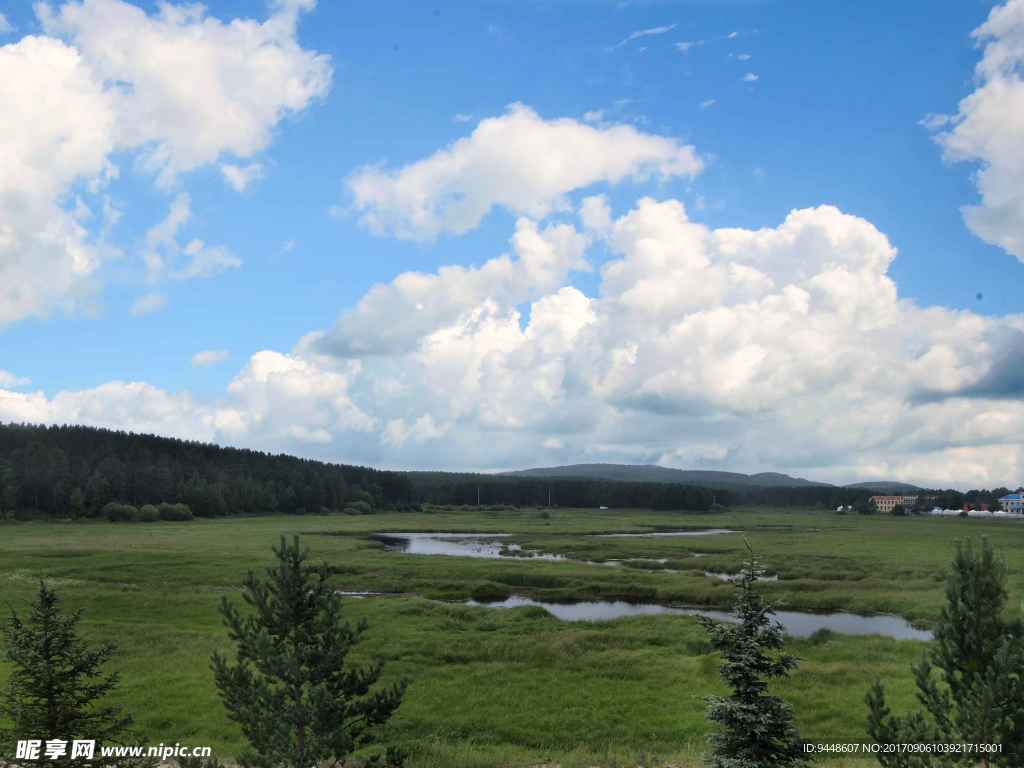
(478, 495)
(549, 498)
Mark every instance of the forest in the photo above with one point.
(74, 471)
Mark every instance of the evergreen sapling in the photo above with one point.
(759, 730)
(289, 690)
(977, 697)
(56, 689)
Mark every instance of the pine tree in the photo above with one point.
(297, 704)
(56, 688)
(759, 730)
(978, 695)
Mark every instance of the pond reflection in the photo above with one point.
(487, 545)
(797, 623)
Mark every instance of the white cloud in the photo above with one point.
(240, 178)
(278, 395)
(208, 357)
(397, 316)
(706, 103)
(518, 161)
(743, 56)
(167, 260)
(149, 303)
(5, 25)
(988, 128)
(242, 77)
(461, 118)
(8, 379)
(785, 348)
(639, 34)
(56, 125)
(782, 348)
(397, 432)
(750, 77)
(685, 47)
(179, 89)
(136, 407)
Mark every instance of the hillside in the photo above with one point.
(886, 486)
(652, 473)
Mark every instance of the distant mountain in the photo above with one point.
(885, 485)
(651, 473)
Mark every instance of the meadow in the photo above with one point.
(511, 687)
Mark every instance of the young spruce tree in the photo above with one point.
(977, 697)
(759, 730)
(56, 689)
(289, 690)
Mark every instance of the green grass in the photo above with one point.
(516, 687)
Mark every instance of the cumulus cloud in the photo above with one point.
(989, 128)
(107, 77)
(396, 432)
(519, 161)
(243, 77)
(136, 406)
(239, 178)
(208, 357)
(782, 348)
(151, 302)
(750, 77)
(277, 394)
(8, 379)
(396, 317)
(5, 25)
(785, 348)
(166, 259)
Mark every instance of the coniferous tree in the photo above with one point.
(978, 695)
(289, 690)
(56, 688)
(759, 730)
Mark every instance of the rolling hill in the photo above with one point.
(652, 473)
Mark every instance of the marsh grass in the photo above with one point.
(509, 687)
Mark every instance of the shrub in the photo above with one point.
(174, 512)
(544, 514)
(490, 592)
(148, 514)
(116, 512)
(363, 507)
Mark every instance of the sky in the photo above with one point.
(749, 235)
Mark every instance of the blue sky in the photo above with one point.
(786, 106)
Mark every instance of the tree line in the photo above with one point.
(579, 492)
(75, 471)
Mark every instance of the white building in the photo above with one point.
(1013, 503)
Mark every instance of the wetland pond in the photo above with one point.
(797, 623)
(490, 545)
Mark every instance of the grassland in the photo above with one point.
(513, 687)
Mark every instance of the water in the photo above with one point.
(734, 576)
(457, 544)
(797, 623)
(710, 532)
